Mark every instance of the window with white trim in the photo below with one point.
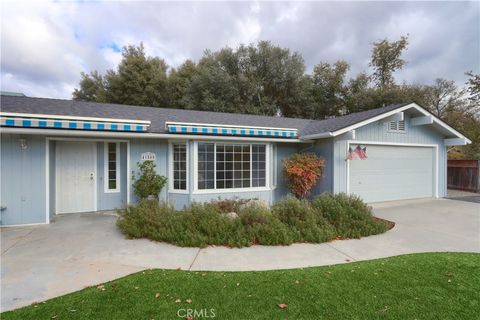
(179, 165)
(231, 165)
(112, 166)
(396, 126)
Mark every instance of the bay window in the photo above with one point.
(231, 165)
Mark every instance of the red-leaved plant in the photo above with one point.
(302, 171)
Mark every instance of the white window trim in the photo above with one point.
(397, 131)
(230, 190)
(105, 167)
(170, 166)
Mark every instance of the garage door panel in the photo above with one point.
(393, 173)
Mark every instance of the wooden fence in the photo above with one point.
(464, 175)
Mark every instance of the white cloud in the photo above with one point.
(45, 45)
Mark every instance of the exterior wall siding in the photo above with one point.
(377, 132)
(283, 151)
(324, 148)
(23, 194)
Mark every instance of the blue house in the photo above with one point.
(61, 156)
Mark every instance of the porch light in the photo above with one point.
(23, 144)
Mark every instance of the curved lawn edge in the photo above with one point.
(422, 285)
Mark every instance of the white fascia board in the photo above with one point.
(317, 136)
(145, 135)
(455, 142)
(54, 116)
(223, 125)
(400, 109)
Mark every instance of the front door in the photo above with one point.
(75, 176)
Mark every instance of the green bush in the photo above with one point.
(262, 227)
(229, 205)
(149, 183)
(349, 215)
(289, 220)
(303, 221)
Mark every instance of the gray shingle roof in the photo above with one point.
(158, 116)
(335, 124)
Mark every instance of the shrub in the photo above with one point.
(302, 171)
(149, 183)
(350, 216)
(262, 227)
(303, 221)
(290, 220)
(229, 205)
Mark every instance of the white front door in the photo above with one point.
(75, 176)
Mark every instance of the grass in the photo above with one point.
(418, 286)
(289, 220)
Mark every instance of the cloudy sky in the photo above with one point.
(45, 45)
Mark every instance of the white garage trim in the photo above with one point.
(391, 144)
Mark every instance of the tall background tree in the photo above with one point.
(265, 79)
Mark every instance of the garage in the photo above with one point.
(393, 172)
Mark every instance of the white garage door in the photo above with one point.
(393, 173)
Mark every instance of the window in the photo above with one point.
(179, 166)
(112, 167)
(231, 165)
(206, 165)
(396, 126)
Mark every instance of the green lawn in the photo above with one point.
(419, 286)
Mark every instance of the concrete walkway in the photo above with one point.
(79, 250)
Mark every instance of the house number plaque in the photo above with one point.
(148, 156)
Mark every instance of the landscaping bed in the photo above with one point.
(240, 223)
(418, 286)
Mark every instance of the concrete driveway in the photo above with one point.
(79, 250)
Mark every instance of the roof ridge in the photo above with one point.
(154, 108)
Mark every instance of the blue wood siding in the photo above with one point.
(378, 132)
(324, 148)
(23, 180)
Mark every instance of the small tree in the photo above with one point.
(149, 183)
(302, 171)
